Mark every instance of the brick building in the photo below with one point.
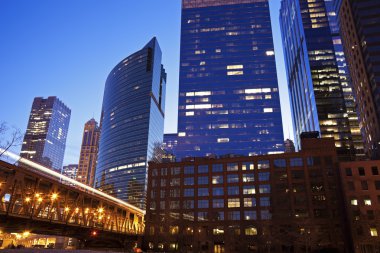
(288, 202)
(361, 187)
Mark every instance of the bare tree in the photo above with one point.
(9, 137)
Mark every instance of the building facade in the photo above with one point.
(132, 124)
(228, 91)
(320, 91)
(88, 153)
(360, 24)
(288, 202)
(361, 188)
(70, 171)
(46, 133)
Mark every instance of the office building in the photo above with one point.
(361, 188)
(170, 143)
(88, 153)
(46, 133)
(132, 124)
(321, 95)
(360, 25)
(70, 171)
(228, 91)
(288, 202)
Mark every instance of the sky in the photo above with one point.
(66, 48)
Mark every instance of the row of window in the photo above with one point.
(261, 164)
(363, 185)
(361, 171)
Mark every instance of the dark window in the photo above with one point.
(364, 185)
(296, 162)
(189, 170)
(361, 171)
(375, 171)
(377, 185)
(348, 172)
(350, 186)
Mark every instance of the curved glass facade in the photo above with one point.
(132, 123)
(228, 91)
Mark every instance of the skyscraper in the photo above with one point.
(321, 95)
(45, 137)
(132, 124)
(360, 25)
(88, 153)
(228, 92)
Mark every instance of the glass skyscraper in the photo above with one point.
(132, 124)
(321, 95)
(228, 91)
(45, 137)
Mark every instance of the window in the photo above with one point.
(232, 166)
(264, 201)
(174, 204)
(174, 193)
(247, 166)
(164, 171)
(202, 180)
(313, 161)
(217, 168)
(354, 202)
(377, 185)
(218, 203)
(298, 174)
(189, 170)
(188, 204)
(264, 176)
(348, 172)
(233, 202)
(364, 185)
(217, 216)
(249, 189)
(202, 169)
(202, 216)
(265, 215)
(249, 177)
(233, 190)
(218, 191)
(203, 192)
(279, 163)
(218, 231)
(233, 178)
(175, 171)
(350, 186)
(217, 179)
(296, 162)
(173, 230)
(234, 215)
(250, 231)
(250, 215)
(265, 188)
(188, 216)
(367, 201)
(375, 171)
(163, 182)
(361, 171)
(373, 231)
(154, 172)
(189, 181)
(263, 164)
(174, 182)
(249, 202)
(188, 192)
(203, 203)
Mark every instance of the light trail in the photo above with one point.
(65, 178)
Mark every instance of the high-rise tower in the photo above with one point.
(132, 124)
(228, 91)
(88, 153)
(321, 95)
(45, 137)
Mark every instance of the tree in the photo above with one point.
(9, 137)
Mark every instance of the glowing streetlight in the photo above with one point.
(67, 209)
(27, 199)
(54, 196)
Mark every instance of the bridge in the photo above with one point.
(35, 199)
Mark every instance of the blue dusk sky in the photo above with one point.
(66, 48)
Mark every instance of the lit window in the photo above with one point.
(269, 53)
(354, 202)
(268, 110)
(181, 134)
(223, 140)
(190, 113)
(218, 50)
(253, 91)
(202, 93)
(235, 73)
(235, 202)
(202, 63)
(367, 202)
(202, 106)
(250, 231)
(373, 232)
(235, 66)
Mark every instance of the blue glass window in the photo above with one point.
(217, 179)
(233, 178)
(218, 203)
(203, 180)
(264, 176)
(232, 167)
(203, 203)
(189, 181)
(263, 164)
(188, 192)
(264, 188)
(218, 191)
(296, 162)
(217, 168)
(250, 215)
(202, 169)
(233, 190)
(189, 170)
